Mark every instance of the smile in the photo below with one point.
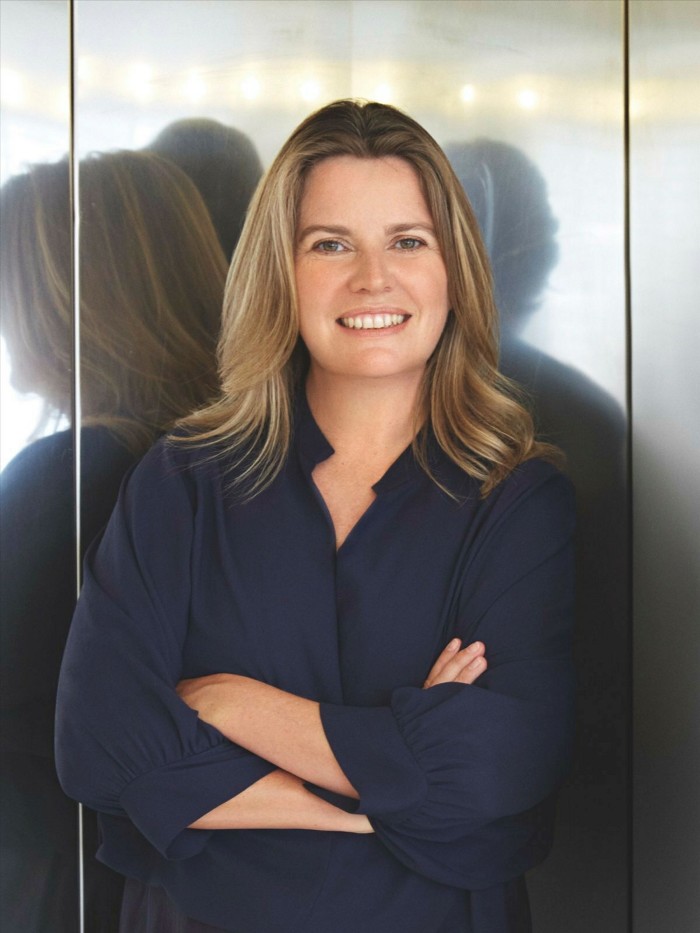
(373, 321)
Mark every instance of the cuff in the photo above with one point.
(370, 749)
(163, 802)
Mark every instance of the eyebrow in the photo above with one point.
(335, 230)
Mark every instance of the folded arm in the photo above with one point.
(125, 742)
(286, 729)
(280, 801)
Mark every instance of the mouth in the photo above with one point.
(375, 321)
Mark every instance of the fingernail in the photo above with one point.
(454, 644)
(477, 662)
(476, 646)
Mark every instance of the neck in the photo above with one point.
(376, 413)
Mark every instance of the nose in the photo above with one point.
(371, 272)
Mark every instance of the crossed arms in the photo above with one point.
(287, 731)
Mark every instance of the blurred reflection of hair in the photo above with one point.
(151, 281)
(224, 165)
(509, 197)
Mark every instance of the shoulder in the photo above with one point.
(37, 486)
(533, 478)
(533, 507)
(47, 459)
(176, 461)
(167, 480)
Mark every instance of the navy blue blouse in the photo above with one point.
(457, 780)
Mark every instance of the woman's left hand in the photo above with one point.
(458, 667)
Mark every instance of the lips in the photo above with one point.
(375, 321)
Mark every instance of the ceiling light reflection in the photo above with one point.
(139, 79)
(528, 99)
(310, 90)
(251, 87)
(86, 69)
(195, 87)
(383, 93)
(12, 87)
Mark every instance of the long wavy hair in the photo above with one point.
(473, 411)
(152, 277)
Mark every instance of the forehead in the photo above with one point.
(352, 185)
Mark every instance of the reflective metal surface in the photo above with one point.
(665, 232)
(38, 824)
(528, 100)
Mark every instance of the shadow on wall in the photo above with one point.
(509, 197)
(224, 165)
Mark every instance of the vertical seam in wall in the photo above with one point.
(76, 413)
(628, 459)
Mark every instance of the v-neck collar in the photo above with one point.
(314, 448)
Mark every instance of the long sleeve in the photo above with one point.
(125, 742)
(457, 778)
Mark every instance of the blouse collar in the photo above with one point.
(313, 448)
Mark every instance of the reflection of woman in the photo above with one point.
(224, 165)
(300, 565)
(152, 278)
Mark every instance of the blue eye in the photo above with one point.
(329, 246)
(408, 243)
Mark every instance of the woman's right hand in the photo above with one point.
(455, 666)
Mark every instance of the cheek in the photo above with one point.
(436, 297)
(430, 281)
(312, 284)
(438, 329)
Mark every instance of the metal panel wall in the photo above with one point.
(664, 237)
(38, 825)
(528, 99)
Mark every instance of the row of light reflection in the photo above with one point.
(140, 82)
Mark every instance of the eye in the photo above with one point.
(328, 246)
(409, 243)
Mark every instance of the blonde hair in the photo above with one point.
(471, 408)
(152, 275)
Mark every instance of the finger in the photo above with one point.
(470, 673)
(461, 660)
(446, 655)
(451, 662)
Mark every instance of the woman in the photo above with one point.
(276, 685)
(152, 282)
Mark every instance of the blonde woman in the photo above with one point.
(319, 677)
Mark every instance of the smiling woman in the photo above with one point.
(259, 646)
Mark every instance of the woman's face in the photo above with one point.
(371, 281)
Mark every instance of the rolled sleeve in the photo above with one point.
(125, 741)
(164, 800)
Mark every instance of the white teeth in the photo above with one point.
(373, 321)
